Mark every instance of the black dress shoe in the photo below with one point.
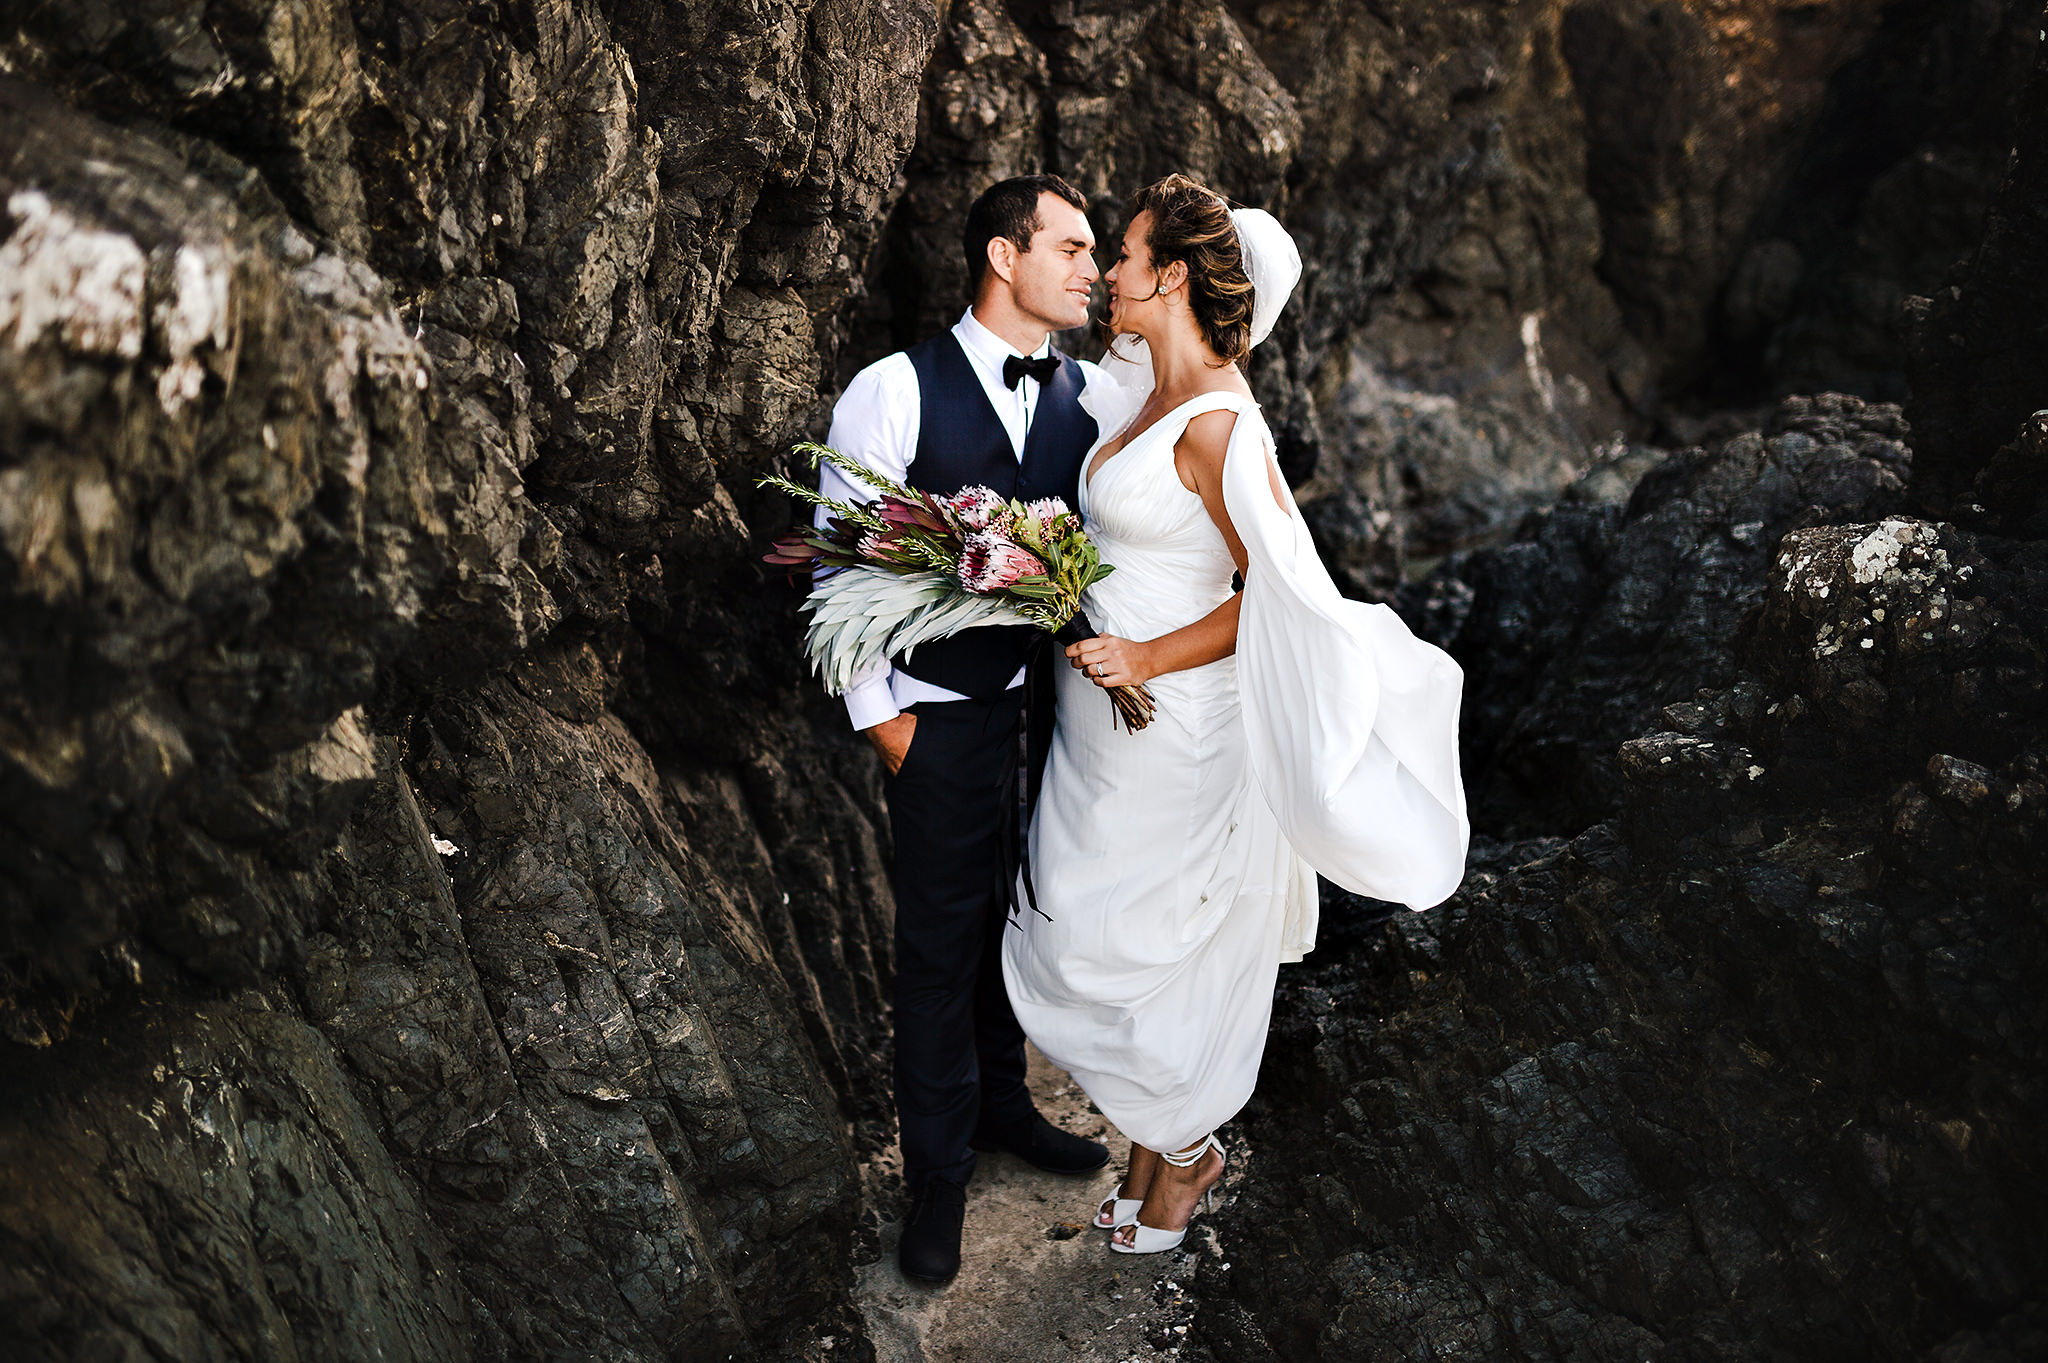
(1038, 1142)
(930, 1248)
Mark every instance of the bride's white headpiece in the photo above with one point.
(1271, 262)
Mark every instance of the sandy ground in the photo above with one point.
(1037, 1283)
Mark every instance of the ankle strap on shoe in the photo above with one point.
(1194, 1153)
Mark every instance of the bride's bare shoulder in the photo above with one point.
(1209, 432)
(1198, 454)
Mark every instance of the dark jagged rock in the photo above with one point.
(1759, 221)
(1486, 385)
(209, 564)
(1889, 194)
(166, 1181)
(1693, 113)
(1751, 1070)
(649, 1102)
(2010, 493)
(1750, 1066)
(368, 377)
(439, 919)
(1599, 613)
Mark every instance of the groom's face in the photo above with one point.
(1052, 281)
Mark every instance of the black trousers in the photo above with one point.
(959, 1050)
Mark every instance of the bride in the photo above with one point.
(1297, 732)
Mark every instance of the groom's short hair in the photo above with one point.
(1009, 208)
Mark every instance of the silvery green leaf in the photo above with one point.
(865, 614)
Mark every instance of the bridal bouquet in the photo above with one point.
(915, 566)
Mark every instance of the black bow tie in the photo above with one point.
(1016, 367)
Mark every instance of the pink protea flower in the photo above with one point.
(977, 507)
(989, 563)
(1057, 521)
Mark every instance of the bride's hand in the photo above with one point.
(1109, 661)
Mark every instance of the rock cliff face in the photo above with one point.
(1750, 1066)
(370, 377)
(438, 918)
(1525, 227)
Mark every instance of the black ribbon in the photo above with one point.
(1025, 769)
(1077, 630)
(1015, 367)
(1034, 745)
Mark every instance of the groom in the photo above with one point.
(988, 402)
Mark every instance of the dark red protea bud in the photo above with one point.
(883, 549)
(897, 511)
(793, 548)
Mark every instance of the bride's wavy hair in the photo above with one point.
(1191, 224)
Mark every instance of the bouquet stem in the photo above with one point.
(1133, 704)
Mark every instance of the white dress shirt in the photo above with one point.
(875, 422)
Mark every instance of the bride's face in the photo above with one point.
(1136, 302)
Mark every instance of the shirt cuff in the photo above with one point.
(870, 702)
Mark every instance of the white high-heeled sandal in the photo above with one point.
(1152, 1240)
(1120, 1210)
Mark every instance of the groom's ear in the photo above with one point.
(1002, 258)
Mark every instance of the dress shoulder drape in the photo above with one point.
(1350, 721)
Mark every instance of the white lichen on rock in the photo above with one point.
(1877, 553)
(370, 338)
(195, 313)
(58, 275)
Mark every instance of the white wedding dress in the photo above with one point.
(1175, 868)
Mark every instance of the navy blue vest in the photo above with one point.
(960, 442)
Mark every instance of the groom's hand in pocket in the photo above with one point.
(892, 740)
